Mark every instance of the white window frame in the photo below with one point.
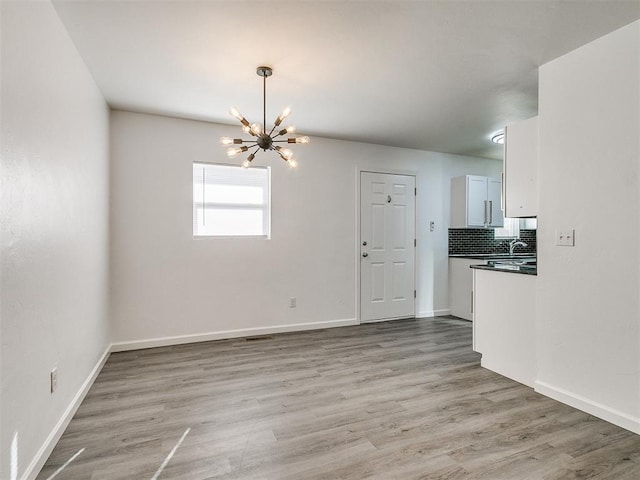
(265, 206)
(511, 229)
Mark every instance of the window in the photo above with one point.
(231, 201)
(511, 229)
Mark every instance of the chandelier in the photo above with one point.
(262, 139)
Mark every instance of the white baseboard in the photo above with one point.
(225, 334)
(596, 409)
(381, 320)
(433, 313)
(47, 447)
(512, 372)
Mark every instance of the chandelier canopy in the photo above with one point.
(261, 139)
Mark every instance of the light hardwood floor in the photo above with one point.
(397, 400)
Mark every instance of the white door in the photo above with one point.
(387, 250)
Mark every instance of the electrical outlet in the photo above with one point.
(293, 302)
(565, 238)
(432, 226)
(54, 379)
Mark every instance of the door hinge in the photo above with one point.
(415, 191)
(415, 242)
(414, 294)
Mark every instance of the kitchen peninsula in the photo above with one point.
(504, 319)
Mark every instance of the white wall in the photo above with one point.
(165, 283)
(54, 231)
(588, 328)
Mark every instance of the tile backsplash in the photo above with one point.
(480, 240)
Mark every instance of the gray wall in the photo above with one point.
(588, 333)
(54, 217)
(168, 285)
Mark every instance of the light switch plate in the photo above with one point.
(565, 238)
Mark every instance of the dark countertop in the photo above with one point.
(521, 269)
(485, 256)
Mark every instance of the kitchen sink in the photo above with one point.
(531, 261)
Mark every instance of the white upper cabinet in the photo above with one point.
(475, 202)
(521, 169)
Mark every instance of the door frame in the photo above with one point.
(384, 171)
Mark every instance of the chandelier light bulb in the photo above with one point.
(233, 111)
(285, 113)
(289, 129)
(248, 160)
(298, 140)
(232, 152)
(292, 163)
(230, 141)
(246, 128)
(256, 129)
(285, 153)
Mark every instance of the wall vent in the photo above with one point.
(258, 337)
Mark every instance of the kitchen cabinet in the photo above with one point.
(504, 323)
(461, 286)
(475, 202)
(520, 177)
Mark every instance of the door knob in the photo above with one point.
(364, 244)
(365, 254)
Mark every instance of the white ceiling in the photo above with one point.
(438, 76)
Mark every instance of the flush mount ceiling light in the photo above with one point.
(262, 139)
(498, 138)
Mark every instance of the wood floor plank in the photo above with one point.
(393, 400)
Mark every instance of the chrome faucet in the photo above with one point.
(515, 243)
